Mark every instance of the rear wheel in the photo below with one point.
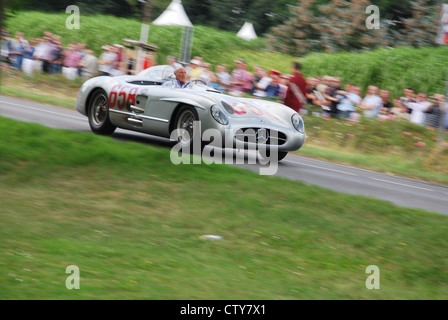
(98, 113)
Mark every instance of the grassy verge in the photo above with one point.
(132, 222)
(55, 90)
(391, 146)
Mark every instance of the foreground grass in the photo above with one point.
(132, 222)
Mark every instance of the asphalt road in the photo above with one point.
(401, 191)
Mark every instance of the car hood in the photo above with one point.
(253, 109)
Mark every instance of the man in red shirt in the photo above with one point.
(295, 95)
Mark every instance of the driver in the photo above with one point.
(181, 78)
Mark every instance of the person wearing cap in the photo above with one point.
(196, 69)
(106, 61)
(273, 89)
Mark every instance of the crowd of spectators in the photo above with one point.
(47, 54)
(348, 103)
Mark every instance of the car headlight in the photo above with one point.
(297, 123)
(219, 115)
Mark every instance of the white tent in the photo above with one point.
(174, 15)
(247, 31)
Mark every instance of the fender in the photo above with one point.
(184, 101)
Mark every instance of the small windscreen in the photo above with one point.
(157, 73)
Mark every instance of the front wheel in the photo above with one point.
(98, 113)
(280, 154)
(188, 131)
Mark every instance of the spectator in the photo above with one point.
(334, 85)
(371, 104)
(399, 110)
(435, 112)
(295, 95)
(323, 84)
(385, 105)
(196, 70)
(241, 79)
(349, 100)
(16, 50)
(283, 85)
(209, 75)
(5, 49)
(258, 74)
(106, 61)
(57, 57)
(130, 61)
(273, 89)
(172, 61)
(28, 52)
(311, 84)
(43, 53)
(148, 61)
(418, 109)
(223, 78)
(81, 48)
(262, 84)
(72, 59)
(409, 97)
(89, 65)
(38, 52)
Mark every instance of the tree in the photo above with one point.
(343, 27)
(421, 29)
(299, 34)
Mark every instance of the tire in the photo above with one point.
(184, 121)
(98, 113)
(281, 155)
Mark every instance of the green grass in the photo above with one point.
(132, 222)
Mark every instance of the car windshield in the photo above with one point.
(156, 73)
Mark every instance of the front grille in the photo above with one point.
(260, 136)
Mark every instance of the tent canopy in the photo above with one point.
(174, 15)
(247, 31)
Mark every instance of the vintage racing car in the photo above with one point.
(148, 103)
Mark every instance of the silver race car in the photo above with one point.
(150, 103)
